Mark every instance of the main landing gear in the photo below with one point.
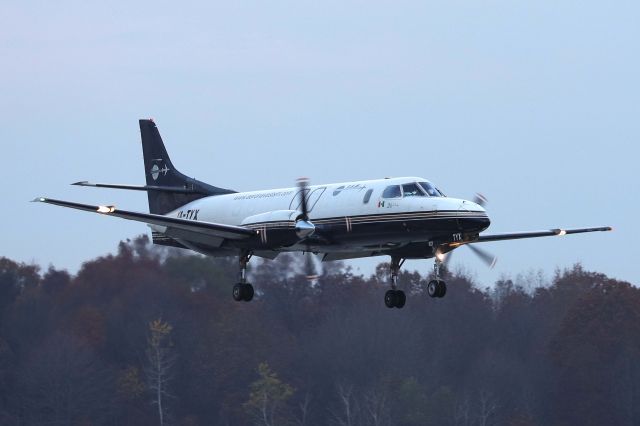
(243, 290)
(395, 298)
(437, 287)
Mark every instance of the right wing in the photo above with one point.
(180, 228)
(535, 234)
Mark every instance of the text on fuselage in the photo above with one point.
(188, 214)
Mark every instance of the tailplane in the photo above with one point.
(160, 172)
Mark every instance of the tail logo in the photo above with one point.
(155, 171)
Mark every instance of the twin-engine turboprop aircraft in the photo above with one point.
(404, 218)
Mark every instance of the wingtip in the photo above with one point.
(80, 183)
(39, 200)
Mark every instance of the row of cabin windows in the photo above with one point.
(419, 189)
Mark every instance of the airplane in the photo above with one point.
(403, 218)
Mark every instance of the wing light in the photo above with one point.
(106, 209)
(562, 233)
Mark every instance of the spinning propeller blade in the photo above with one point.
(304, 227)
(303, 184)
(311, 269)
(489, 259)
(480, 199)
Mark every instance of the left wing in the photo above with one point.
(535, 234)
(172, 224)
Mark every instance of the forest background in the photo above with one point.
(152, 336)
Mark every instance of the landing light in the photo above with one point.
(562, 232)
(106, 209)
(440, 255)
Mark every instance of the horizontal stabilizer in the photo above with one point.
(176, 189)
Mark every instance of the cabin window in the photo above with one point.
(392, 191)
(412, 190)
(367, 196)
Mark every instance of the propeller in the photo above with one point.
(311, 269)
(480, 199)
(486, 257)
(304, 227)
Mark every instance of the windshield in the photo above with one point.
(430, 189)
(412, 190)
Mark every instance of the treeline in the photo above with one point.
(152, 336)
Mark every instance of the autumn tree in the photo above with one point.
(268, 398)
(160, 362)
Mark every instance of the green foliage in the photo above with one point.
(267, 398)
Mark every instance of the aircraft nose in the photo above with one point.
(472, 217)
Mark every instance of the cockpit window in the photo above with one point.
(392, 191)
(430, 189)
(412, 190)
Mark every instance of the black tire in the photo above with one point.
(432, 288)
(238, 292)
(401, 299)
(390, 298)
(442, 288)
(247, 292)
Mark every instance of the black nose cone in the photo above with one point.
(475, 224)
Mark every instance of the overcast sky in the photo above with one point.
(535, 104)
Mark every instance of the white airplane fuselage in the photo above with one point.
(351, 216)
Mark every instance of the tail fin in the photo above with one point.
(159, 171)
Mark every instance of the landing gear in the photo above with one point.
(243, 290)
(395, 298)
(437, 287)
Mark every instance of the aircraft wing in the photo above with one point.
(535, 234)
(191, 227)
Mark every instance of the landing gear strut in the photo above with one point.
(437, 287)
(243, 290)
(395, 298)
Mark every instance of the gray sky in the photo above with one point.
(534, 104)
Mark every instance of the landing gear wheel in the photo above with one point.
(242, 291)
(390, 298)
(443, 289)
(395, 299)
(238, 293)
(437, 288)
(247, 292)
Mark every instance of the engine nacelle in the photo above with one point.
(280, 228)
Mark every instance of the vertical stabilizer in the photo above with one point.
(160, 171)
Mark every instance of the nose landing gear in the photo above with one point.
(395, 298)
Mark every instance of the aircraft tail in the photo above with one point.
(160, 172)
